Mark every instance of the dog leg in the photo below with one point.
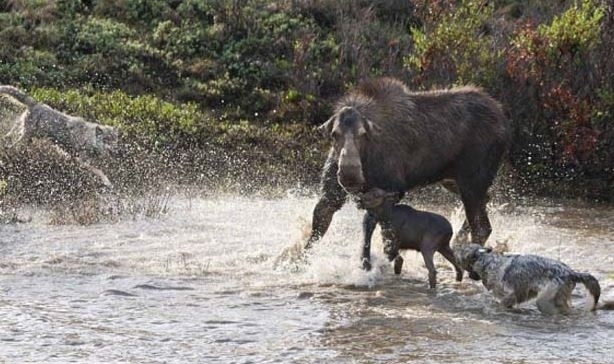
(546, 306)
(562, 298)
(546, 299)
(509, 300)
(448, 253)
(427, 255)
(391, 248)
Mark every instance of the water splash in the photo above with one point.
(246, 299)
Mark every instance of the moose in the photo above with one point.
(388, 137)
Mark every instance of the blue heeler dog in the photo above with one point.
(406, 228)
(517, 278)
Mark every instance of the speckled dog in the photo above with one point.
(73, 136)
(518, 278)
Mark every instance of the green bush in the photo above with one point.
(563, 125)
(259, 73)
(457, 47)
(576, 30)
(143, 117)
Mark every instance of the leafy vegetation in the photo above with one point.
(454, 46)
(548, 65)
(223, 90)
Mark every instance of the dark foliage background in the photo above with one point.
(226, 90)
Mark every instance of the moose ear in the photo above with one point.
(370, 127)
(327, 128)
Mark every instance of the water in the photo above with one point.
(208, 284)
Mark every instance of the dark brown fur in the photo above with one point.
(404, 227)
(424, 137)
(414, 139)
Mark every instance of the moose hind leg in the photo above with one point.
(398, 264)
(474, 202)
(462, 236)
(473, 182)
(482, 228)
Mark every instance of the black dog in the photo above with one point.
(406, 228)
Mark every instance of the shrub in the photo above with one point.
(199, 73)
(456, 47)
(555, 61)
(143, 117)
(576, 30)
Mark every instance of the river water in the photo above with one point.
(211, 282)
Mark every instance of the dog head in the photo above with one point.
(468, 255)
(376, 197)
(94, 139)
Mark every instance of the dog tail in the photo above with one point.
(18, 95)
(591, 284)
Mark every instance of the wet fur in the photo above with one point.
(515, 279)
(404, 227)
(423, 137)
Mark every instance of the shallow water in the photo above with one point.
(208, 283)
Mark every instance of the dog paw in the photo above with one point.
(398, 265)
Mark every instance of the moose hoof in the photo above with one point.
(474, 276)
(366, 264)
(459, 276)
(398, 264)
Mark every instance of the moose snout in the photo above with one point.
(350, 175)
(352, 183)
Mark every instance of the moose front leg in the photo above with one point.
(332, 198)
(391, 248)
(369, 222)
